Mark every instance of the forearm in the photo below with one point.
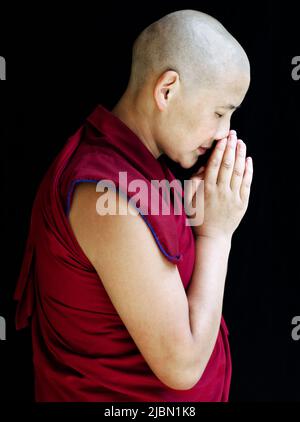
(205, 296)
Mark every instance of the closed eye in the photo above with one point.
(219, 115)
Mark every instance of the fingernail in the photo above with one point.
(233, 132)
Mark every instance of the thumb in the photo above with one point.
(192, 187)
(200, 172)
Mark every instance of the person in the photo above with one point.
(128, 306)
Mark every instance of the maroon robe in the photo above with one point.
(82, 351)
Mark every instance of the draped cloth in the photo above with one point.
(82, 350)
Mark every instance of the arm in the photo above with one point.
(144, 287)
(227, 183)
(174, 331)
(205, 298)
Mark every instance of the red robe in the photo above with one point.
(82, 351)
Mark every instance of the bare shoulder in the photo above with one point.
(144, 287)
(103, 222)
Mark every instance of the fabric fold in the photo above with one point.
(82, 351)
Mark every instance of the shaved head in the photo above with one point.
(188, 75)
(192, 43)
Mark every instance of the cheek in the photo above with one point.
(172, 140)
(203, 135)
(209, 129)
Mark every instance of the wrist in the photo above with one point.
(216, 237)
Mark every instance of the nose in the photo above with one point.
(223, 131)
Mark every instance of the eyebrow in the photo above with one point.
(231, 107)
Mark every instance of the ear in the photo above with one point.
(165, 88)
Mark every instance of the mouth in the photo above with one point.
(202, 150)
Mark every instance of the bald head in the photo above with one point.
(188, 75)
(192, 43)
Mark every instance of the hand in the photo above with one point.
(227, 182)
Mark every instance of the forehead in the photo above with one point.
(227, 91)
(232, 88)
(235, 79)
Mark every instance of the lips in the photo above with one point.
(202, 150)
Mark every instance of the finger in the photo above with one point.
(201, 175)
(239, 166)
(200, 171)
(213, 164)
(247, 180)
(191, 188)
(228, 161)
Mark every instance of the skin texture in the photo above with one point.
(175, 112)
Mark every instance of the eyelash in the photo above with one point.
(219, 115)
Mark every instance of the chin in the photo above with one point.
(186, 164)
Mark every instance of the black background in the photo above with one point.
(60, 64)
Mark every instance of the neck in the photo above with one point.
(136, 119)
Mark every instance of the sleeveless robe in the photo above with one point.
(82, 351)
